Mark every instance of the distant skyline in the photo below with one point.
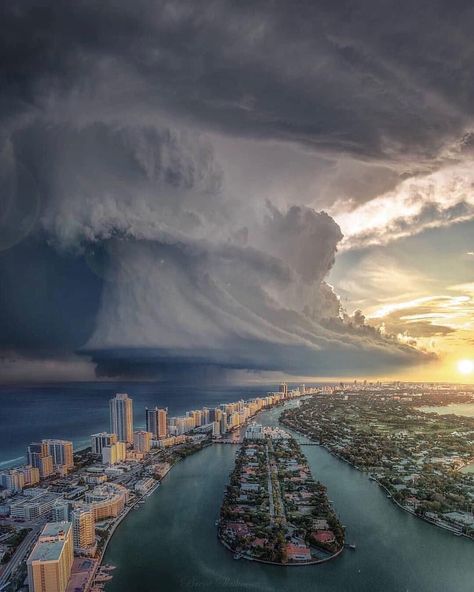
(268, 189)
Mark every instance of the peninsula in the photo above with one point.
(273, 510)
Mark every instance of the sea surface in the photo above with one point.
(74, 411)
(170, 545)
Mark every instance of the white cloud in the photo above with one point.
(433, 200)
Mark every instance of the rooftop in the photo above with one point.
(51, 542)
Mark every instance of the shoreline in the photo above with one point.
(447, 528)
(264, 561)
(245, 551)
(124, 514)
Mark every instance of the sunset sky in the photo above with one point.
(220, 185)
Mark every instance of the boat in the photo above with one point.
(353, 547)
(100, 577)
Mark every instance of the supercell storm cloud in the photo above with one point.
(143, 246)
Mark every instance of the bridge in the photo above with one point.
(239, 442)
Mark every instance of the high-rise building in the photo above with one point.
(60, 510)
(83, 529)
(50, 561)
(98, 441)
(12, 480)
(114, 453)
(121, 417)
(234, 419)
(107, 500)
(157, 422)
(40, 458)
(62, 453)
(46, 467)
(223, 422)
(283, 389)
(179, 425)
(32, 474)
(142, 441)
(36, 450)
(205, 414)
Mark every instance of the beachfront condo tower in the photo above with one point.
(121, 417)
(62, 453)
(39, 457)
(50, 561)
(157, 422)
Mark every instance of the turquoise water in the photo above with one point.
(170, 544)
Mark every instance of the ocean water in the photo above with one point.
(74, 411)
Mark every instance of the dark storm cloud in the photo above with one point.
(104, 111)
(48, 302)
(370, 78)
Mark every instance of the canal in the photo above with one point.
(169, 544)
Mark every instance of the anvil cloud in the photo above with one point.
(166, 168)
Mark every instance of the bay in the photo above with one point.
(465, 409)
(170, 543)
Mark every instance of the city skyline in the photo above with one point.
(236, 296)
(73, 510)
(75, 513)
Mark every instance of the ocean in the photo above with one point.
(74, 411)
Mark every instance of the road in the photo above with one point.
(20, 554)
(279, 507)
(270, 488)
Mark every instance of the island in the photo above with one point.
(273, 510)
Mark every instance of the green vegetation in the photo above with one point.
(273, 510)
(13, 541)
(416, 456)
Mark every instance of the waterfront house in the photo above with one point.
(297, 552)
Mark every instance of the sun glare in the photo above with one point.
(465, 366)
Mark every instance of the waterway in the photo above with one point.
(464, 409)
(170, 543)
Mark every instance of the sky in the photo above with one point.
(236, 188)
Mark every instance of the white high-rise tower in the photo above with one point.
(121, 417)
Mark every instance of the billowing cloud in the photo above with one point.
(111, 125)
(434, 200)
(186, 275)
